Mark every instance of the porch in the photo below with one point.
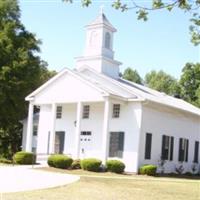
(66, 128)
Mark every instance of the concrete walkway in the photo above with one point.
(24, 178)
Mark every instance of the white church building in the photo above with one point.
(91, 111)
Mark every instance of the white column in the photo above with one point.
(52, 130)
(78, 129)
(105, 130)
(29, 134)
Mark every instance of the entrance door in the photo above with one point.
(59, 142)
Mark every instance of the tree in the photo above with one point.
(191, 7)
(190, 83)
(162, 82)
(21, 71)
(132, 75)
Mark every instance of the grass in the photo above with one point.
(107, 186)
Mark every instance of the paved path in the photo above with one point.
(24, 178)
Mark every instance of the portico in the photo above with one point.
(72, 121)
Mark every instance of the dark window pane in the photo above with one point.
(171, 148)
(165, 147)
(86, 111)
(148, 146)
(181, 151)
(116, 144)
(59, 112)
(196, 152)
(187, 148)
(116, 111)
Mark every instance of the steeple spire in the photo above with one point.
(99, 53)
(101, 9)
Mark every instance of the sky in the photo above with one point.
(161, 43)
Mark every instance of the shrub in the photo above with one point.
(5, 161)
(179, 169)
(148, 170)
(115, 166)
(24, 158)
(59, 161)
(91, 164)
(76, 164)
(188, 174)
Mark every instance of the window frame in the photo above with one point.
(147, 153)
(86, 133)
(107, 40)
(86, 112)
(196, 152)
(35, 129)
(59, 110)
(183, 150)
(167, 148)
(118, 152)
(116, 111)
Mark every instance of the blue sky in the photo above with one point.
(163, 42)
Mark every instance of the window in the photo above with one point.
(59, 112)
(196, 152)
(86, 133)
(183, 149)
(107, 40)
(85, 136)
(35, 130)
(34, 149)
(167, 147)
(116, 110)
(148, 146)
(116, 144)
(86, 111)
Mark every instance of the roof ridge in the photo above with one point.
(114, 81)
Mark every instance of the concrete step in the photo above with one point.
(42, 158)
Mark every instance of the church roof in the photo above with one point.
(121, 89)
(133, 91)
(102, 19)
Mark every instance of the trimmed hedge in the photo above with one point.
(148, 170)
(24, 158)
(115, 166)
(76, 164)
(59, 161)
(91, 164)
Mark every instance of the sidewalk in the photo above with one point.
(24, 178)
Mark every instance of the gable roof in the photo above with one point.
(60, 74)
(140, 92)
(120, 88)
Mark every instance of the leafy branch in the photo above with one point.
(192, 7)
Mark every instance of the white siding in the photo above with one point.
(67, 89)
(129, 123)
(163, 121)
(43, 129)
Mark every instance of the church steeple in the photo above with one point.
(99, 53)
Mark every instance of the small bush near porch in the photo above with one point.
(59, 161)
(91, 164)
(115, 166)
(24, 158)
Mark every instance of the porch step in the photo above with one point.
(42, 158)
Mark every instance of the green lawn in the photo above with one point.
(121, 187)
